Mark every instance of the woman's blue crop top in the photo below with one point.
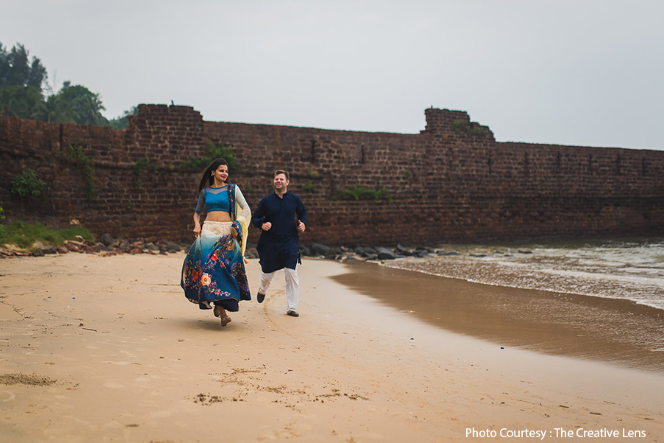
(213, 199)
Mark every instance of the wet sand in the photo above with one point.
(609, 330)
(108, 349)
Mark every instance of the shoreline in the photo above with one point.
(616, 331)
(658, 309)
(108, 349)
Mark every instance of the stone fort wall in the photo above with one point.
(452, 182)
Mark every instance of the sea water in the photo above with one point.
(631, 269)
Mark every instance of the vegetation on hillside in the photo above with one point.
(25, 93)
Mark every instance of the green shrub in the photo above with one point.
(312, 173)
(142, 166)
(84, 165)
(213, 152)
(362, 193)
(477, 131)
(459, 125)
(309, 187)
(27, 184)
(473, 129)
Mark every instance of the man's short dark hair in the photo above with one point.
(281, 171)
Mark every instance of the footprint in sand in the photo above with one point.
(111, 385)
(6, 396)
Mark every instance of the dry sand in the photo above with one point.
(96, 349)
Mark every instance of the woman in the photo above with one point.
(213, 271)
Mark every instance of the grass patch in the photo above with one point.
(24, 235)
(473, 129)
(362, 193)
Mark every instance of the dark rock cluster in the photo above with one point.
(105, 245)
(357, 252)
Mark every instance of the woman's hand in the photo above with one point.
(234, 233)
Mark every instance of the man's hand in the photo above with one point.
(300, 226)
(266, 226)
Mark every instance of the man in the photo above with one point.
(277, 245)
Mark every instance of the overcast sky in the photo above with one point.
(575, 72)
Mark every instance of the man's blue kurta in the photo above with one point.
(277, 247)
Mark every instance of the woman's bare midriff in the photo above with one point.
(218, 216)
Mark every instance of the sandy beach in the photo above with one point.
(107, 349)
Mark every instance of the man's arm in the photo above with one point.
(301, 211)
(257, 217)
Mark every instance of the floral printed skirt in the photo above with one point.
(213, 271)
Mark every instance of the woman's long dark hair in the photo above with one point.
(207, 179)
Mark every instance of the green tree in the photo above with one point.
(54, 110)
(22, 102)
(22, 84)
(37, 76)
(16, 69)
(74, 104)
(123, 122)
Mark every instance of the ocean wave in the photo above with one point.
(631, 270)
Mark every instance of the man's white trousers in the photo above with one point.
(292, 286)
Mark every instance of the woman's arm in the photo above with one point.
(245, 214)
(200, 205)
(242, 218)
(197, 224)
